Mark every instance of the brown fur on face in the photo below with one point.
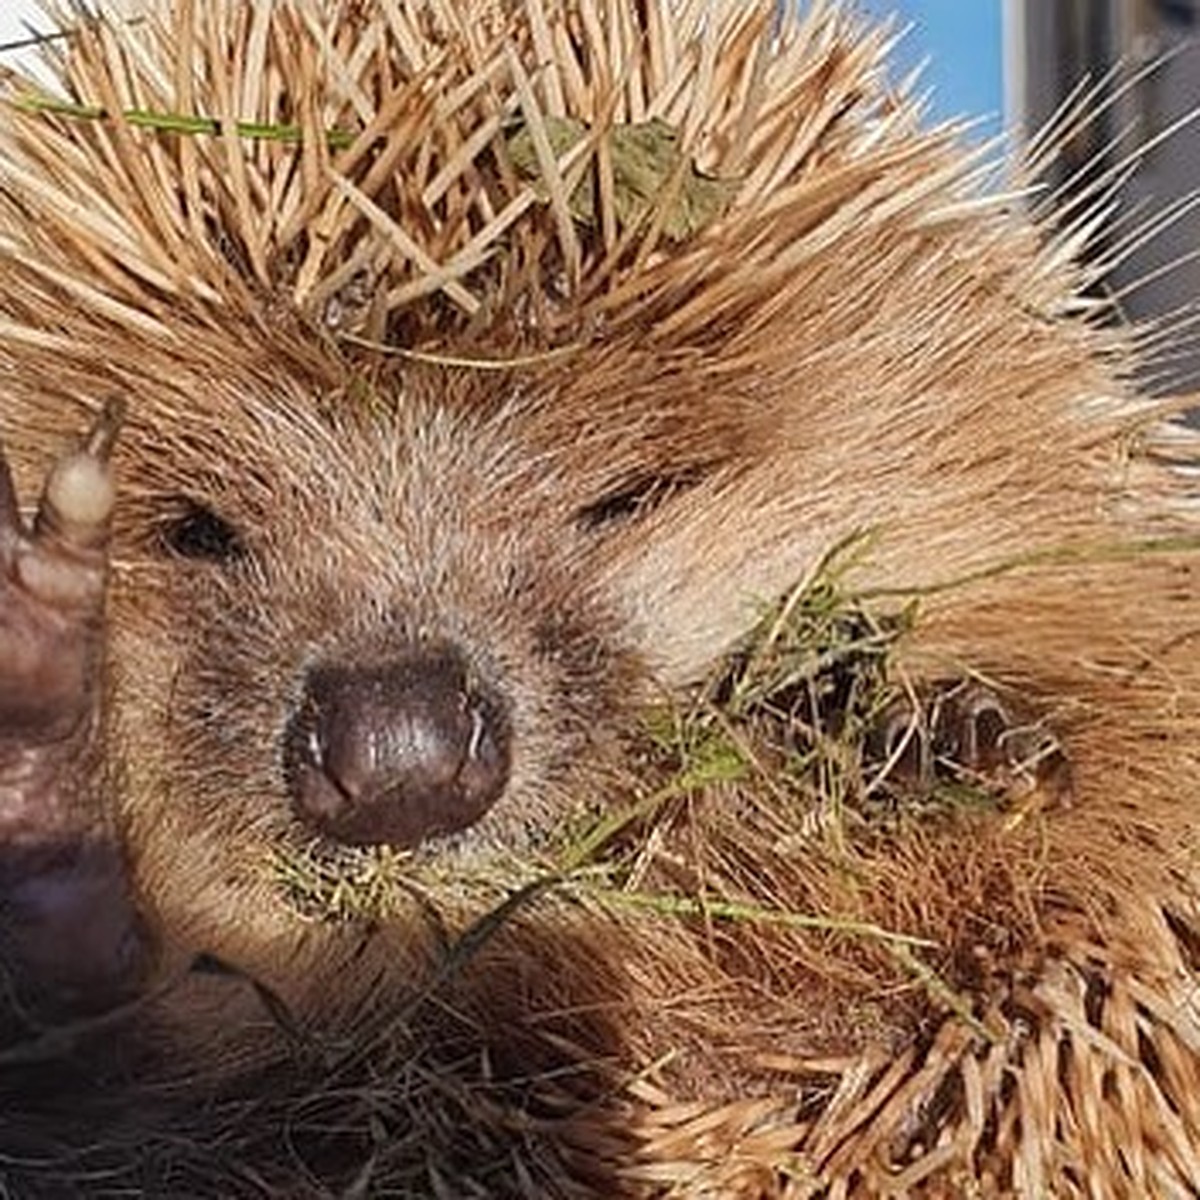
(590, 472)
(358, 533)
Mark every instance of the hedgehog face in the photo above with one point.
(362, 628)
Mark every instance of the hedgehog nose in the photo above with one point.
(397, 753)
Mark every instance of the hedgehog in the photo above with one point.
(582, 613)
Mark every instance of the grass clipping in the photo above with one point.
(870, 921)
(774, 760)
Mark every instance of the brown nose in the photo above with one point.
(398, 752)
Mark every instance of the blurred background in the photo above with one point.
(1008, 66)
(1011, 65)
(1142, 58)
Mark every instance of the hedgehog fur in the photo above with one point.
(660, 356)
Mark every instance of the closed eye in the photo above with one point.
(636, 497)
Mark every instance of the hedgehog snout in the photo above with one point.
(398, 752)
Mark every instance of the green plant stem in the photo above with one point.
(180, 123)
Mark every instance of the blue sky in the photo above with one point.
(962, 40)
